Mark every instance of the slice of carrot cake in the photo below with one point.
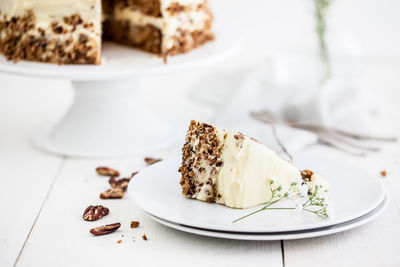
(230, 168)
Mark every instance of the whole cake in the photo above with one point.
(230, 168)
(71, 31)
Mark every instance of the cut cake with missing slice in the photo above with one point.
(71, 31)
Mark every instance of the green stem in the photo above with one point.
(321, 7)
(263, 208)
(317, 212)
(281, 208)
(313, 211)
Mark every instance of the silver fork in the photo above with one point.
(343, 140)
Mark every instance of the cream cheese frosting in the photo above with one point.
(317, 180)
(249, 167)
(52, 9)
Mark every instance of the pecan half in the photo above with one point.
(151, 161)
(93, 213)
(112, 193)
(119, 183)
(105, 229)
(306, 175)
(134, 224)
(106, 171)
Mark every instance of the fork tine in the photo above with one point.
(339, 138)
(365, 137)
(331, 143)
(346, 133)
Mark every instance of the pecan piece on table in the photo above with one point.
(134, 224)
(119, 183)
(112, 193)
(144, 237)
(122, 182)
(106, 171)
(151, 161)
(105, 229)
(93, 213)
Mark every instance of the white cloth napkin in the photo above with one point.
(339, 102)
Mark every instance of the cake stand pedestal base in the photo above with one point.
(106, 119)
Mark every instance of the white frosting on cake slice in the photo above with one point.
(230, 168)
(249, 166)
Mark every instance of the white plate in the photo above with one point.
(282, 235)
(122, 62)
(156, 190)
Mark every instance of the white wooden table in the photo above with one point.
(43, 196)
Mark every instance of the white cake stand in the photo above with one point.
(107, 118)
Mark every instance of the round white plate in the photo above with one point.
(126, 62)
(156, 190)
(282, 235)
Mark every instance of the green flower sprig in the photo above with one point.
(316, 204)
(321, 8)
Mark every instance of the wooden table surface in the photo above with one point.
(43, 197)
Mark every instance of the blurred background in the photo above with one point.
(279, 44)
